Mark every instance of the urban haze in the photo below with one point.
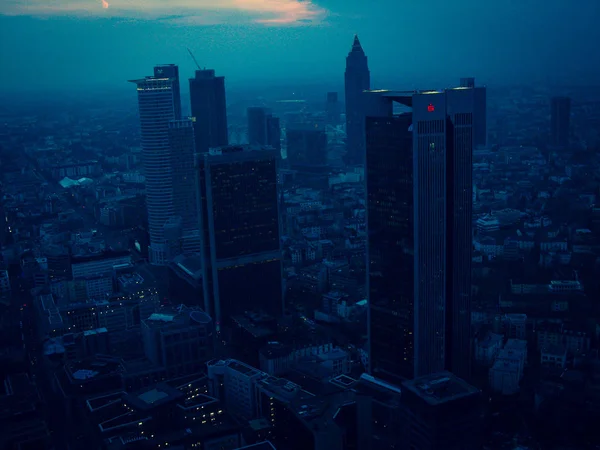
(299, 224)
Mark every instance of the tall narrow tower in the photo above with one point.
(167, 155)
(207, 97)
(357, 80)
(419, 203)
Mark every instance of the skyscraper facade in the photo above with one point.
(157, 109)
(419, 184)
(171, 71)
(240, 228)
(357, 80)
(560, 121)
(181, 139)
(207, 97)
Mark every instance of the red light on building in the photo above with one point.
(430, 108)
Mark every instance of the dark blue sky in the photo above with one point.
(84, 43)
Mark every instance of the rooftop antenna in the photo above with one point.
(194, 58)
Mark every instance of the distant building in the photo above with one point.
(306, 144)
(560, 118)
(357, 80)
(332, 108)
(257, 126)
(207, 97)
(263, 128)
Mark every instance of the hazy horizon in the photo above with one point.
(86, 44)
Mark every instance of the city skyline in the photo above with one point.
(255, 53)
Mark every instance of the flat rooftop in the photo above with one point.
(266, 445)
(155, 396)
(94, 368)
(439, 388)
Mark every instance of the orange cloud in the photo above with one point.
(266, 12)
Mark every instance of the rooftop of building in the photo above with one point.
(238, 366)
(239, 151)
(189, 265)
(256, 329)
(93, 368)
(153, 397)
(177, 316)
(440, 388)
(266, 445)
(554, 350)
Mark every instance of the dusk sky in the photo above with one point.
(47, 44)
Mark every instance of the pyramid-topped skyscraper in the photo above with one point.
(357, 80)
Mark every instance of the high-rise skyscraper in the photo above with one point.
(207, 98)
(157, 110)
(560, 121)
(479, 112)
(181, 139)
(357, 80)
(419, 184)
(171, 71)
(240, 230)
(167, 154)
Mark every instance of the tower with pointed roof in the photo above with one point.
(357, 80)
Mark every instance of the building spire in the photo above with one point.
(356, 44)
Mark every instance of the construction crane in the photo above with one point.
(194, 58)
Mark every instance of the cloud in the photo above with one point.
(189, 12)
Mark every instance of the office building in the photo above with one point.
(332, 108)
(560, 121)
(207, 97)
(180, 339)
(479, 112)
(157, 109)
(167, 153)
(419, 184)
(263, 128)
(239, 220)
(441, 411)
(357, 80)
(181, 138)
(171, 71)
